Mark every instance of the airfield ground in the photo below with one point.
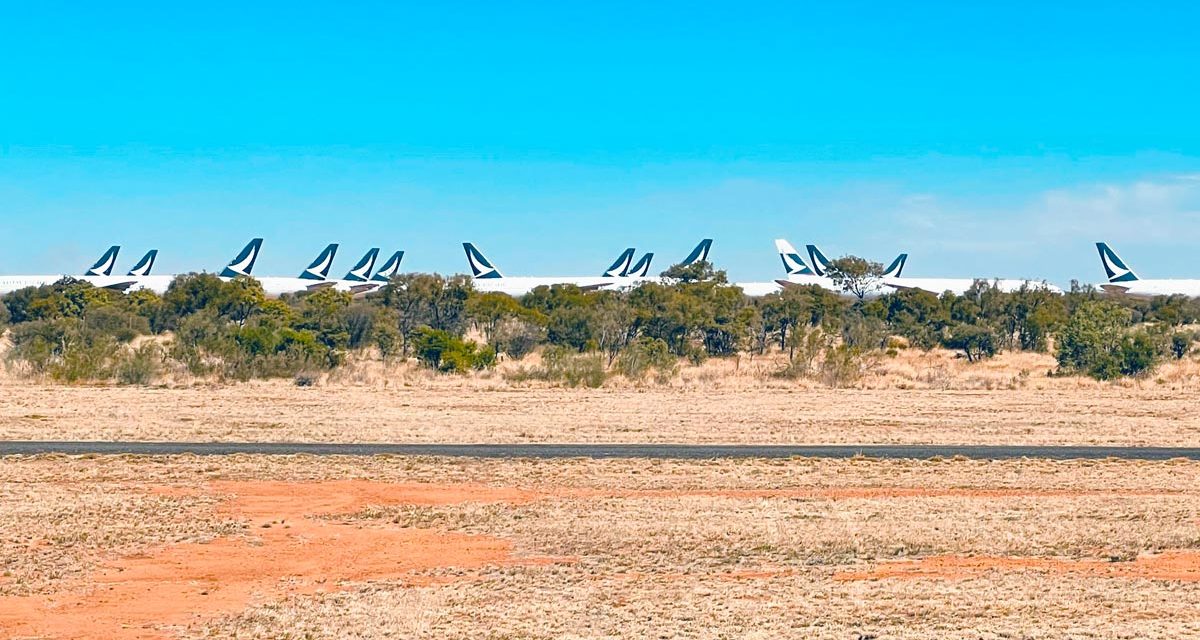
(276, 547)
(464, 412)
(264, 547)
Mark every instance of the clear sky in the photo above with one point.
(986, 139)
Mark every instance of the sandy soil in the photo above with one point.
(256, 547)
(449, 412)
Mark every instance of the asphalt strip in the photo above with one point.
(599, 451)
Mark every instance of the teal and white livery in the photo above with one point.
(897, 267)
(243, 264)
(1123, 281)
(642, 268)
(358, 279)
(104, 266)
(488, 278)
(361, 272)
(1114, 266)
(481, 268)
(144, 266)
(620, 267)
(389, 269)
(319, 269)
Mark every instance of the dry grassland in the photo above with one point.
(391, 547)
(447, 410)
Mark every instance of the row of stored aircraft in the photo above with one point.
(625, 272)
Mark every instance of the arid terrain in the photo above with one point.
(262, 547)
(459, 412)
(255, 547)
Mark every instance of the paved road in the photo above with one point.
(661, 451)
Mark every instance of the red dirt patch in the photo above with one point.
(1181, 566)
(136, 597)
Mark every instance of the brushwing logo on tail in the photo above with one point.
(620, 268)
(143, 267)
(480, 267)
(642, 268)
(820, 264)
(793, 264)
(700, 253)
(897, 267)
(1114, 266)
(362, 271)
(319, 269)
(389, 268)
(104, 265)
(243, 264)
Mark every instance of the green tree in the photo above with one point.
(975, 341)
(1091, 341)
(854, 275)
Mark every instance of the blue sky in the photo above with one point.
(996, 139)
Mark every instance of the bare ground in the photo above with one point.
(258, 547)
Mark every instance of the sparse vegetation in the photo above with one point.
(207, 326)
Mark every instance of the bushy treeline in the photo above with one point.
(72, 331)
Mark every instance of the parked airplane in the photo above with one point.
(122, 283)
(620, 267)
(358, 279)
(389, 269)
(312, 278)
(98, 272)
(1122, 280)
(315, 276)
(489, 279)
(893, 280)
(642, 268)
(104, 265)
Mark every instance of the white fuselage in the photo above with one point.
(8, 284)
(519, 286)
(795, 280)
(1154, 288)
(959, 286)
(273, 286)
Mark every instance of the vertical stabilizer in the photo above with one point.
(793, 263)
(319, 269)
(480, 266)
(620, 267)
(1114, 266)
(389, 268)
(700, 253)
(642, 268)
(820, 264)
(362, 271)
(143, 266)
(104, 265)
(897, 267)
(243, 264)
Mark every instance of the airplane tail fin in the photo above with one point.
(319, 269)
(143, 266)
(897, 266)
(793, 263)
(362, 271)
(642, 268)
(1114, 266)
(820, 263)
(480, 267)
(389, 268)
(104, 265)
(700, 253)
(620, 267)
(243, 264)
